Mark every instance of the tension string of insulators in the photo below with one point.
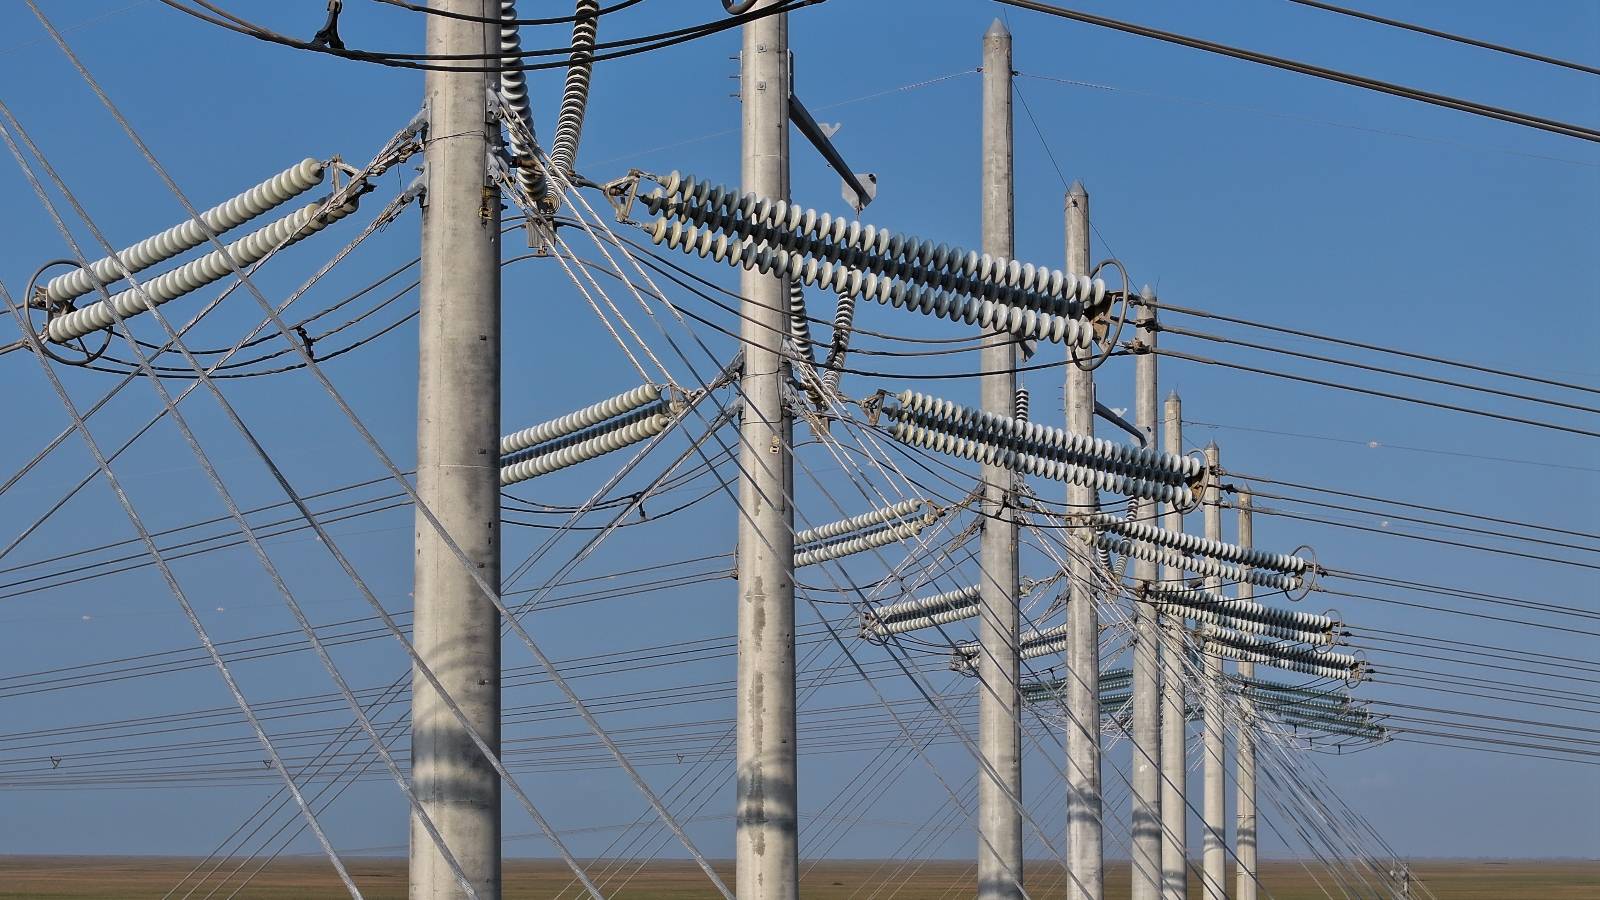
(188, 234)
(1030, 644)
(1197, 545)
(867, 531)
(1112, 681)
(1038, 449)
(199, 272)
(1320, 656)
(1236, 645)
(842, 269)
(588, 433)
(1200, 565)
(921, 612)
(1248, 626)
(1200, 598)
(796, 229)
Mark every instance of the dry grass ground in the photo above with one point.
(130, 878)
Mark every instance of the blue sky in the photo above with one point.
(1229, 187)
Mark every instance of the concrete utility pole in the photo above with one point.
(1174, 709)
(999, 697)
(767, 831)
(1214, 858)
(456, 629)
(1244, 821)
(1146, 850)
(1085, 840)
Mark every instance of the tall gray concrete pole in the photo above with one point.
(1085, 839)
(1244, 821)
(1146, 761)
(1174, 705)
(766, 839)
(1214, 857)
(455, 628)
(999, 697)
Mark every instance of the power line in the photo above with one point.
(1301, 118)
(1319, 382)
(1505, 115)
(1501, 520)
(519, 22)
(632, 46)
(1463, 593)
(1361, 345)
(1365, 367)
(1432, 640)
(1432, 540)
(1411, 740)
(1390, 446)
(1434, 523)
(1460, 39)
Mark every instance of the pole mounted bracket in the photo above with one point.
(860, 188)
(1115, 418)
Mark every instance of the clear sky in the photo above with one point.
(1229, 187)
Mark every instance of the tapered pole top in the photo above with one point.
(1077, 190)
(997, 31)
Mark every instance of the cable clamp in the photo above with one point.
(328, 35)
(306, 340)
(622, 193)
(873, 406)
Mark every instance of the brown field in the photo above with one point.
(139, 878)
